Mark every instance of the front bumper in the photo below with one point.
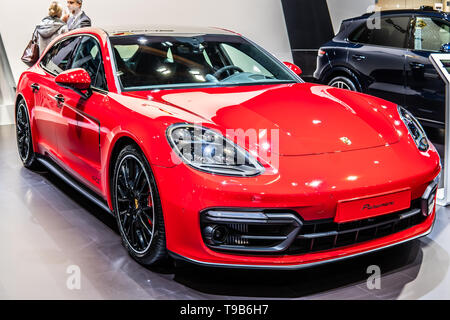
(312, 192)
(301, 265)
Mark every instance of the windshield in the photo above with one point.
(146, 62)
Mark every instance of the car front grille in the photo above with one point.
(325, 235)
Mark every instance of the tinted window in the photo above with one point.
(58, 58)
(243, 61)
(393, 32)
(89, 57)
(146, 61)
(430, 34)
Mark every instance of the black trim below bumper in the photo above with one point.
(60, 173)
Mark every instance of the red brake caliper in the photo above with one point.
(150, 205)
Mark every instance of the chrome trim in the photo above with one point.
(237, 214)
(410, 214)
(300, 266)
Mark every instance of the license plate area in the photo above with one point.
(368, 207)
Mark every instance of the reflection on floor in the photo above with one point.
(46, 227)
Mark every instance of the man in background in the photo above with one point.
(77, 18)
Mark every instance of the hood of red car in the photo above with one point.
(307, 119)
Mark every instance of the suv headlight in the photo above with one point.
(415, 129)
(209, 151)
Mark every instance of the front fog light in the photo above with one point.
(215, 234)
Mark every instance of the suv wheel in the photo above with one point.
(343, 83)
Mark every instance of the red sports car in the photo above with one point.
(208, 149)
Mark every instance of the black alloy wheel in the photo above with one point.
(137, 207)
(24, 137)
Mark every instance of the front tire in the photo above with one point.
(137, 208)
(24, 137)
(343, 82)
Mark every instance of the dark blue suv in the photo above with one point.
(386, 54)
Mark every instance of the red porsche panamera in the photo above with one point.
(208, 149)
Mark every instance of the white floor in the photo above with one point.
(6, 114)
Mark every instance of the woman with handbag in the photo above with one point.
(49, 28)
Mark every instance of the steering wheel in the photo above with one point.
(222, 70)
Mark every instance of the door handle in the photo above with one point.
(35, 87)
(417, 65)
(60, 99)
(358, 57)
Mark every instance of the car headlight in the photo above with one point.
(415, 129)
(209, 151)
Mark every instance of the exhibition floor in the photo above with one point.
(47, 227)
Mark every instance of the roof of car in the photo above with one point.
(429, 13)
(163, 30)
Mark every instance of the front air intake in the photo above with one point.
(252, 231)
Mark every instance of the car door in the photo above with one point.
(425, 88)
(378, 55)
(46, 110)
(79, 134)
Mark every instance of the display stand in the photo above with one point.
(441, 62)
(7, 90)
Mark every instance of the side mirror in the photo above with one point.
(77, 79)
(294, 68)
(445, 48)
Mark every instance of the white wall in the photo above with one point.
(260, 20)
(345, 9)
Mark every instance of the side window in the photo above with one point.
(361, 34)
(393, 32)
(58, 58)
(89, 57)
(430, 34)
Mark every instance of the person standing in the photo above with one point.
(50, 27)
(77, 18)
